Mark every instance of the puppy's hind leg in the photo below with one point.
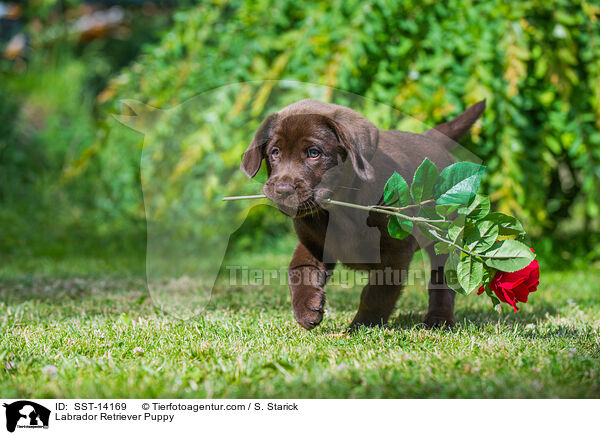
(378, 298)
(376, 304)
(386, 280)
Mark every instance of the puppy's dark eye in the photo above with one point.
(275, 153)
(313, 153)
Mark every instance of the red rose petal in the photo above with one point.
(513, 287)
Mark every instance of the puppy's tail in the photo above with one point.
(450, 132)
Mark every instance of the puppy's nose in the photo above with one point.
(284, 189)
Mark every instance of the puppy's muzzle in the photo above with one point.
(283, 190)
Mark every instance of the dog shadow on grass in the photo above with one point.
(481, 317)
(527, 324)
(524, 324)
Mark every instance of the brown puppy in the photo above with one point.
(315, 150)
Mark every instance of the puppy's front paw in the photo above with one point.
(308, 305)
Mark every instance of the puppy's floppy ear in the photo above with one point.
(358, 140)
(255, 152)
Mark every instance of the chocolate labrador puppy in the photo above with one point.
(314, 151)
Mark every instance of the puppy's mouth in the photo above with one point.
(298, 205)
(297, 209)
(305, 208)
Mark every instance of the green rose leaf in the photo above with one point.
(477, 208)
(442, 248)
(488, 276)
(428, 232)
(396, 192)
(456, 230)
(424, 180)
(431, 214)
(458, 183)
(450, 272)
(507, 225)
(480, 236)
(509, 256)
(445, 210)
(470, 273)
(398, 228)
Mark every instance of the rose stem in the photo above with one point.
(234, 198)
(378, 209)
(423, 221)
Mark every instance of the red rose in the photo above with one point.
(513, 287)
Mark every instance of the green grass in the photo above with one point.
(247, 344)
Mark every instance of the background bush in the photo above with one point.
(536, 62)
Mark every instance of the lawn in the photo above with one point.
(101, 336)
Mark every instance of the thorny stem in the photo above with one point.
(235, 198)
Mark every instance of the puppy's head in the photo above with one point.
(306, 147)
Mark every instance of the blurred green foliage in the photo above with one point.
(48, 117)
(536, 62)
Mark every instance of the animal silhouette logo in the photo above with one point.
(26, 414)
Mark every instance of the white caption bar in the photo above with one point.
(114, 416)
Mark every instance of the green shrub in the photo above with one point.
(48, 120)
(536, 62)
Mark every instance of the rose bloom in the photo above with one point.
(513, 287)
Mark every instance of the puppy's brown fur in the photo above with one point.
(315, 150)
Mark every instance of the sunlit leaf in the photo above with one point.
(424, 180)
(470, 273)
(458, 183)
(399, 228)
(451, 275)
(509, 256)
(396, 192)
(477, 208)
